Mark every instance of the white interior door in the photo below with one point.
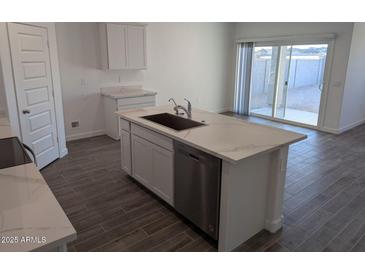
(34, 90)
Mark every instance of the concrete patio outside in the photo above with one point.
(302, 105)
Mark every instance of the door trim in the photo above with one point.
(326, 82)
(9, 84)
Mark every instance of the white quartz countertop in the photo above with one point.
(29, 209)
(228, 138)
(125, 92)
(30, 216)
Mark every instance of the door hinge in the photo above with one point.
(47, 44)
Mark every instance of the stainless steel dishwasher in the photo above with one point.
(197, 187)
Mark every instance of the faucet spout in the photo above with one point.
(176, 109)
(188, 113)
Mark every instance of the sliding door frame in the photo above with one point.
(326, 83)
(328, 39)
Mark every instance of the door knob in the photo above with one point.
(26, 111)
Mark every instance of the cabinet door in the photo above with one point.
(125, 145)
(136, 47)
(117, 51)
(163, 173)
(142, 160)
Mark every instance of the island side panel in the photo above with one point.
(251, 197)
(244, 188)
(274, 210)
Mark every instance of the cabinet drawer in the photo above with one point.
(136, 100)
(124, 125)
(152, 137)
(136, 106)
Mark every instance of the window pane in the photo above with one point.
(299, 99)
(264, 64)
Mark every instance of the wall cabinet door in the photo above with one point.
(136, 47)
(123, 46)
(125, 145)
(162, 173)
(117, 48)
(142, 161)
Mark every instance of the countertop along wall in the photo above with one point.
(193, 60)
(340, 56)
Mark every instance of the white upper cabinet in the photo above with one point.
(117, 48)
(136, 46)
(123, 46)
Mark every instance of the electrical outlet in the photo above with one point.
(75, 124)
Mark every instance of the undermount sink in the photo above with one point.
(172, 121)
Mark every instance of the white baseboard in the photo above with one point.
(274, 225)
(63, 152)
(330, 130)
(85, 135)
(351, 126)
(343, 129)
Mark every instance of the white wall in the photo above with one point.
(193, 60)
(353, 108)
(3, 108)
(340, 58)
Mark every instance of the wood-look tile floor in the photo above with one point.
(324, 207)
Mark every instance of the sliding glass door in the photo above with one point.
(304, 83)
(263, 77)
(286, 81)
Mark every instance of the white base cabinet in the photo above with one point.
(125, 145)
(111, 105)
(162, 173)
(142, 160)
(149, 158)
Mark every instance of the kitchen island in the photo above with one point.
(252, 172)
